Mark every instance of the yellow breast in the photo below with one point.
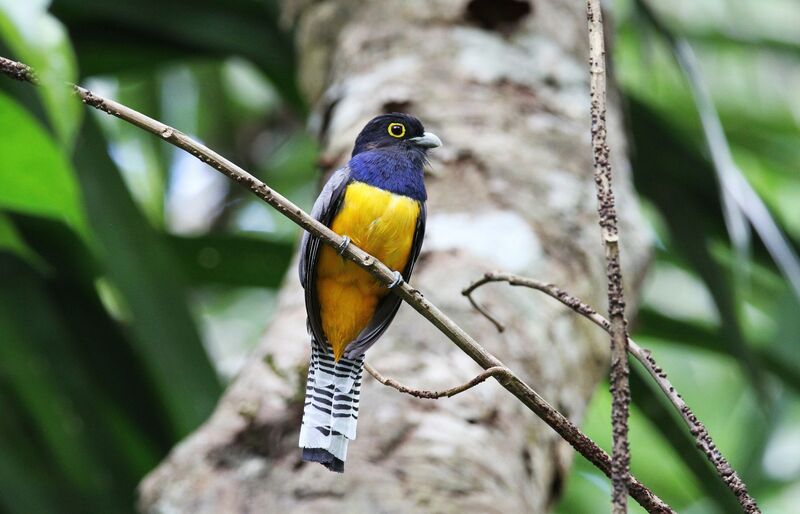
(382, 224)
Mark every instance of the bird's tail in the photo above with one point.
(331, 407)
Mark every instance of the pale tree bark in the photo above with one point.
(505, 84)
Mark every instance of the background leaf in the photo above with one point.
(21, 27)
(147, 277)
(143, 33)
(38, 182)
(233, 260)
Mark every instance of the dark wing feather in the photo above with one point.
(387, 308)
(325, 208)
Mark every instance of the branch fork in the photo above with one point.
(702, 438)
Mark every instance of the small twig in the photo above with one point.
(512, 383)
(698, 430)
(620, 388)
(497, 371)
(486, 314)
(18, 71)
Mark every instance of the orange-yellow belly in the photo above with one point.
(380, 223)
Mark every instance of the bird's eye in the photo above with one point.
(397, 130)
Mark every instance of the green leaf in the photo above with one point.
(113, 36)
(150, 280)
(35, 177)
(27, 484)
(233, 260)
(40, 370)
(11, 241)
(141, 158)
(39, 40)
(679, 181)
(652, 461)
(656, 407)
(733, 40)
(783, 364)
(114, 392)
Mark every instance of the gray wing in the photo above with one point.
(325, 208)
(323, 211)
(387, 308)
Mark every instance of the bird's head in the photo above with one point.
(395, 130)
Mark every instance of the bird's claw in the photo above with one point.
(343, 245)
(398, 279)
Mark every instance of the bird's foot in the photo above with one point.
(398, 279)
(343, 245)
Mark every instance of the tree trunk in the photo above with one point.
(505, 85)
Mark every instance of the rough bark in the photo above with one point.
(505, 84)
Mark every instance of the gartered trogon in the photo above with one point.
(377, 201)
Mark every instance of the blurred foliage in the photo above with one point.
(118, 255)
(727, 335)
(135, 280)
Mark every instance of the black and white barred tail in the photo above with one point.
(330, 413)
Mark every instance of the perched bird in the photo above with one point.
(377, 201)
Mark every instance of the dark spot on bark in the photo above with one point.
(465, 161)
(396, 106)
(328, 163)
(327, 114)
(266, 440)
(527, 462)
(400, 474)
(556, 485)
(557, 482)
(306, 494)
(499, 15)
(423, 258)
(489, 419)
(522, 90)
(524, 96)
(563, 408)
(393, 443)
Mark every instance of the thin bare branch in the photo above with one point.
(486, 314)
(620, 388)
(497, 371)
(512, 383)
(698, 430)
(18, 71)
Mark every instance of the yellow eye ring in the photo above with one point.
(397, 130)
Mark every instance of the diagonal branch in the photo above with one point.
(702, 438)
(18, 71)
(497, 371)
(512, 383)
(620, 388)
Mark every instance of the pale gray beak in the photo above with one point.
(427, 140)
